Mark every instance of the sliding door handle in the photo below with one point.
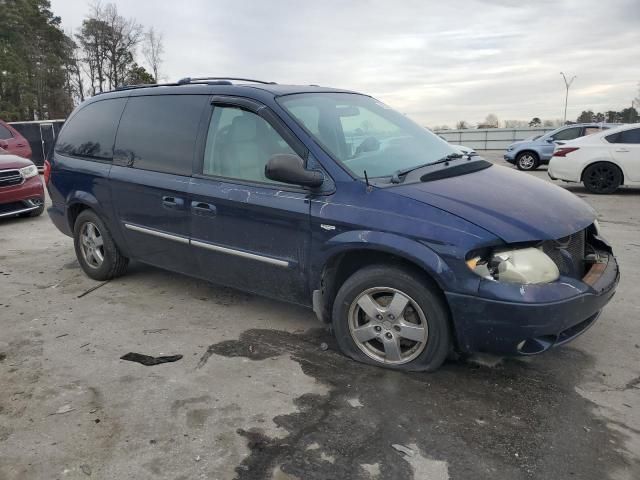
(203, 208)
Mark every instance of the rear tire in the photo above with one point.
(392, 317)
(527, 161)
(97, 253)
(602, 178)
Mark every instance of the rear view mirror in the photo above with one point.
(289, 168)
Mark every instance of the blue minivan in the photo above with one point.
(332, 200)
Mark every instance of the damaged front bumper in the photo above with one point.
(530, 319)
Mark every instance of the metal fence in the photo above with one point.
(489, 138)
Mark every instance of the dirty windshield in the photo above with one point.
(364, 134)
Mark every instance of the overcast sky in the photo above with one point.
(437, 61)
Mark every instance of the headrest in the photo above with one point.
(243, 128)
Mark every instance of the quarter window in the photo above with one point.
(90, 132)
(158, 132)
(627, 136)
(239, 145)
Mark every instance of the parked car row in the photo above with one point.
(532, 152)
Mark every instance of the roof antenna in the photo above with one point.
(366, 180)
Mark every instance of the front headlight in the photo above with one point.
(28, 172)
(509, 148)
(523, 266)
(596, 226)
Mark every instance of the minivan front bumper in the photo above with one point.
(527, 328)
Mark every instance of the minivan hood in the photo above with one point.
(512, 205)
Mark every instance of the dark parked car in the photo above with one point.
(13, 142)
(332, 200)
(21, 190)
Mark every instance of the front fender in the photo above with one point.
(411, 250)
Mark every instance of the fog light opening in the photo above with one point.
(533, 346)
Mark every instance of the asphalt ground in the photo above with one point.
(255, 395)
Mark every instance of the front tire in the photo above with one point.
(527, 161)
(97, 253)
(392, 317)
(602, 178)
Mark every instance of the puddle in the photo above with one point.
(516, 420)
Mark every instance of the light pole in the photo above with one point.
(567, 83)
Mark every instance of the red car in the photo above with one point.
(21, 189)
(13, 142)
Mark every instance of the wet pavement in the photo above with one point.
(255, 396)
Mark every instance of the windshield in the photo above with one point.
(364, 134)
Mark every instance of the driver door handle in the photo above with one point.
(622, 149)
(172, 202)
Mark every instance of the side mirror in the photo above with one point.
(289, 168)
(550, 140)
(4, 144)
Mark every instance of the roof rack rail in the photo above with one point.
(144, 85)
(187, 80)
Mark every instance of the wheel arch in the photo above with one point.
(343, 260)
(77, 201)
(527, 150)
(602, 160)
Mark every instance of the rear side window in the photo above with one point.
(90, 132)
(5, 133)
(626, 136)
(568, 134)
(159, 132)
(591, 130)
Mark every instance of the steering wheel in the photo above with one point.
(369, 144)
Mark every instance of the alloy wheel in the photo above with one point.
(91, 245)
(388, 326)
(526, 161)
(601, 178)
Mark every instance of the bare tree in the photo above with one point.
(124, 36)
(152, 49)
(492, 121)
(515, 124)
(461, 125)
(75, 78)
(92, 39)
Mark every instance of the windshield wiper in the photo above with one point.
(395, 178)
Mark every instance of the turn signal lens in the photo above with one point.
(47, 172)
(563, 151)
